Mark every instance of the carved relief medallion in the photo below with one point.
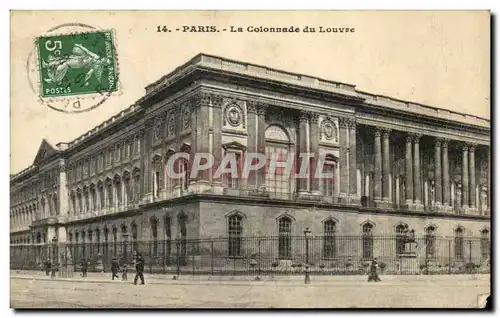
(233, 116)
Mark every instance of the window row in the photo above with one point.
(95, 163)
(115, 192)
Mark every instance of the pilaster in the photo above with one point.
(343, 167)
(353, 182)
(437, 173)
(416, 173)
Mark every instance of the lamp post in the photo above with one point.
(54, 257)
(307, 278)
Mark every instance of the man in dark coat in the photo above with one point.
(47, 264)
(115, 268)
(373, 276)
(84, 265)
(139, 269)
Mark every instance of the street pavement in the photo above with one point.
(35, 290)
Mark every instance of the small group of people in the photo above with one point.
(139, 269)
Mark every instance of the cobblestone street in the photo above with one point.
(336, 292)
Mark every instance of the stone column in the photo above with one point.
(215, 128)
(465, 177)
(416, 172)
(261, 142)
(445, 175)
(409, 172)
(63, 190)
(386, 168)
(252, 141)
(377, 188)
(472, 177)
(303, 187)
(343, 168)
(200, 105)
(314, 149)
(488, 202)
(353, 181)
(438, 184)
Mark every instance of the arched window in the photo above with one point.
(100, 190)
(126, 184)
(118, 186)
(329, 240)
(109, 192)
(135, 245)
(459, 244)
(93, 197)
(115, 240)
(137, 184)
(400, 238)
(154, 234)
(86, 198)
(235, 232)
(278, 147)
(79, 200)
(157, 172)
(430, 241)
(182, 219)
(98, 240)
(329, 168)
(167, 222)
(56, 204)
(485, 244)
(367, 239)
(285, 237)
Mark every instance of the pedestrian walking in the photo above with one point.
(124, 272)
(47, 264)
(115, 268)
(139, 269)
(373, 275)
(84, 264)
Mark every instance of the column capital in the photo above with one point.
(378, 132)
(352, 123)
(314, 117)
(416, 137)
(261, 108)
(471, 146)
(465, 147)
(304, 116)
(444, 142)
(386, 132)
(438, 142)
(343, 122)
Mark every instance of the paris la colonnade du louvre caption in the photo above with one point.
(235, 151)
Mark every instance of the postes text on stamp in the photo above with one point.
(77, 64)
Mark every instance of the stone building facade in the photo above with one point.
(394, 163)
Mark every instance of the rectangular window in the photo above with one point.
(278, 184)
(233, 180)
(328, 183)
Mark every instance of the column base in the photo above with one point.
(200, 186)
(471, 211)
(417, 206)
(383, 204)
(217, 188)
(259, 192)
(354, 199)
(310, 196)
(444, 208)
(343, 198)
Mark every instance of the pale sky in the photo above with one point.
(440, 59)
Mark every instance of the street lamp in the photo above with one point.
(307, 234)
(54, 257)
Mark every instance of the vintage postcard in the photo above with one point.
(250, 159)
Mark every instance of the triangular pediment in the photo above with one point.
(46, 150)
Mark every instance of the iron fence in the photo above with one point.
(277, 255)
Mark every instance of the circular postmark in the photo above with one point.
(73, 67)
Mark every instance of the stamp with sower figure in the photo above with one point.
(77, 70)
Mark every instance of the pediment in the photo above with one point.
(234, 145)
(45, 151)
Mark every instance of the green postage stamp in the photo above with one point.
(77, 64)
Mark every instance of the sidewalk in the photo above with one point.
(167, 279)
